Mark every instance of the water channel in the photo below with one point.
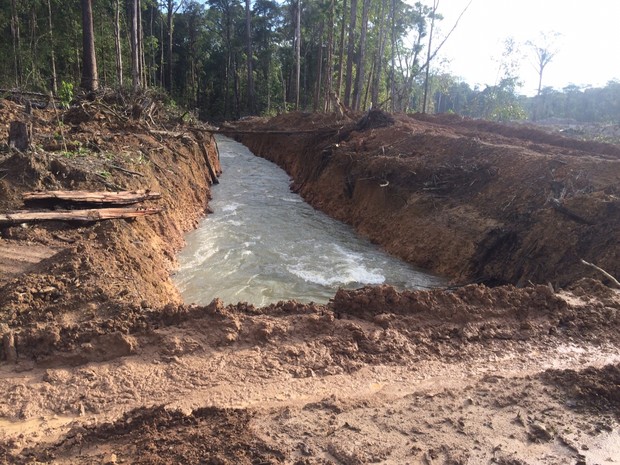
(264, 244)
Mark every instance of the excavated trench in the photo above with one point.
(263, 244)
(110, 367)
(472, 200)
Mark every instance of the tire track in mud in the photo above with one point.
(285, 371)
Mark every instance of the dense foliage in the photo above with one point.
(228, 58)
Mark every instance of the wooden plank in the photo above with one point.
(89, 215)
(117, 198)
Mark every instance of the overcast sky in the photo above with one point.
(588, 47)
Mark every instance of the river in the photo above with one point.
(264, 244)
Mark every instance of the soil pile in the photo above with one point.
(102, 363)
(70, 275)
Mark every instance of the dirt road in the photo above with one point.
(103, 364)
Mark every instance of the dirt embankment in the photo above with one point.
(473, 200)
(62, 282)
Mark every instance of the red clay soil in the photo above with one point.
(472, 200)
(103, 364)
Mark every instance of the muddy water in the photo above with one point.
(264, 243)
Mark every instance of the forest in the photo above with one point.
(224, 59)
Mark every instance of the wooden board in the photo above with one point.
(117, 198)
(98, 214)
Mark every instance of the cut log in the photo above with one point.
(114, 198)
(19, 135)
(99, 214)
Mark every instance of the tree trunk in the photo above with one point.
(248, 36)
(135, 47)
(151, 68)
(329, 68)
(141, 61)
(34, 40)
(16, 44)
(117, 43)
(378, 63)
(297, 52)
(267, 80)
(428, 56)
(319, 67)
(170, 22)
(350, 52)
(236, 89)
(228, 59)
(54, 76)
(90, 79)
(361, 58)
(341, 50)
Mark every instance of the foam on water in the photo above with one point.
(263, 243)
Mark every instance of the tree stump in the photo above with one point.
(19, 135)
(8, 342)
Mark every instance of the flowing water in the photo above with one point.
(264, 243)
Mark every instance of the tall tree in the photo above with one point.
(330, 57)
(135, 46)
(379, 54)
(249, 58)
(16, 44)
(90, 78)
(544, 52)
(361, 57)
(350, 53)
(172, 9)
(52, 54)
(428, 53)
(117, 43)
(343, 25)
(297, 52)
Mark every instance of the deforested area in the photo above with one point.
(513, 361)
(414, 258)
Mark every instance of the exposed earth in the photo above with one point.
(516, 363)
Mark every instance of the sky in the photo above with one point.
(588, 47)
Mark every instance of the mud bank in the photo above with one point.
(87, 275)
(473, 200)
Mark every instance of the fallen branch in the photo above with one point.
(125, 170)
(284, 132)
(557, 205)
(28, 93)
(116, 198)
(205, 153)
(167, 133)
(76, 215)
(603, 272)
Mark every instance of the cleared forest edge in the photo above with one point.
(472, 200)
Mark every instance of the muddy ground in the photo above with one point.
(516, 363)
